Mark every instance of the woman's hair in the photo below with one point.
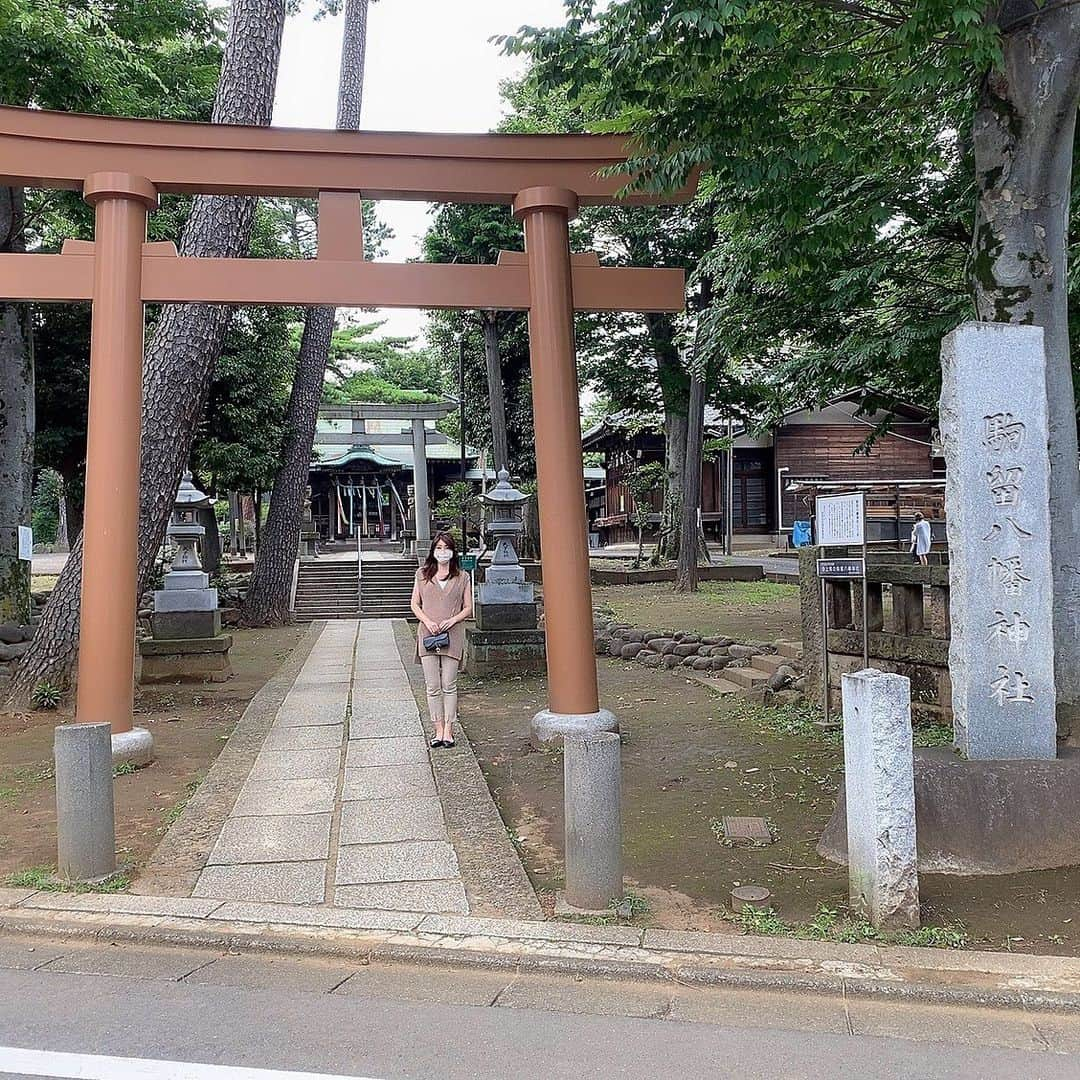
(431, 564)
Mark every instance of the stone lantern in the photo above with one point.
(506, 639)
(506, 522)
(187, 643)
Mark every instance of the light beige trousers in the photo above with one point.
(440, 675)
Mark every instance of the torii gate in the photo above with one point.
(122, 165)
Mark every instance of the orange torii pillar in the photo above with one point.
(573, 698)
(111, 518)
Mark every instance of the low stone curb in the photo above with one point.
(980, 979)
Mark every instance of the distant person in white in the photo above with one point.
(920, 538)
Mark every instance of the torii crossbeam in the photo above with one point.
(122, 165)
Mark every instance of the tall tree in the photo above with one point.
(827, 129)
(137, 57)
(185, 344)
(267, 600)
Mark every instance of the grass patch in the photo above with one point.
(125, 768)
(43, 582)
(831, 924)
(746, 593)
(44, 879)
(171, 813)
(926, 735)
(798, 718)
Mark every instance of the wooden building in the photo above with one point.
(776, 471)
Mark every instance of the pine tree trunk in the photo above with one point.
(496, 395)
(1023, 142)
(186, 343)
(62, 541)
(267, 600)
(16, 425)
(686, 576)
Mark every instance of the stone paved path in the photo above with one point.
(341, 807)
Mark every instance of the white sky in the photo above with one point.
(429, 67)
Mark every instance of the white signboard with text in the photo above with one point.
(840, 520)
(26, 543)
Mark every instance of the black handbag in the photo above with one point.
(441, 640)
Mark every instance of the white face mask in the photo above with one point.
(443, 556)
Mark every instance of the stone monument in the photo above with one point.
(994, 428)
(187, 644)
(506, 639)
(879, 776)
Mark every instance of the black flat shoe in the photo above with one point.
(449, 744)
(436, 743)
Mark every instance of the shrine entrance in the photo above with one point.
(123, 165)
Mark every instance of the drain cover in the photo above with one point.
(754, 830)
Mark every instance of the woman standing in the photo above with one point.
(442, 600)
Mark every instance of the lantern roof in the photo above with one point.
(189, 496)
(504, 493)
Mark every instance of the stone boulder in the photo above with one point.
(12, 634)
(778, 681)
(702, 663)
(602, 643)
(633, 635)
(631, 649)
(742, 652)
(660, 644)
(650, 659)
(615, 648)
(670, 661)
(685, 649)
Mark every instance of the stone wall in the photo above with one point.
(908, 608)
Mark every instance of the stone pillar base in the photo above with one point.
(134, 747)
(548, 728)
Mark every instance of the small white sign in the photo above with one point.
(26, 543)
(840, 519)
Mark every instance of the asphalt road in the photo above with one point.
(127, 1012)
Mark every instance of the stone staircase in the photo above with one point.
(760, 670)
(326, 589)
(386, 588)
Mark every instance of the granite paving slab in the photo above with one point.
(383, 821)
(284, 882)
(388, 782)
(404, 751)
(296, 838)
(385, 728)
(409, 860)
(263, 797)
(295, 764)
(432, 897)
(320, 737)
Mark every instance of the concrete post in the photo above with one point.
(420, 487)
(85, 827)
(593, 812)
(571, 662)
(879, 774)
(111, 523)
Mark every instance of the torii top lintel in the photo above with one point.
(149, 157)
(59, 150)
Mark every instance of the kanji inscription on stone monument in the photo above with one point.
(994, 429)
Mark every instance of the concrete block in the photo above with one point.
(85, 824)
(549, 728)
(879, 777)
(185, 624)
(285, 882)
(505, 616)
(406, 860)
(295, 838)
(186, 600)
(592, 784)
(386, 821)
(186, 579)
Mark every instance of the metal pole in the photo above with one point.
(729, 494)
(865, 590)
(824, 653)
(461, 415)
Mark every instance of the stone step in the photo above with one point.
(769, 663)
(719, 686)
(791, 649)
(746, 678)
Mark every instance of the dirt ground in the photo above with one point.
(691, 758)
(190, 724)
(745, 610)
